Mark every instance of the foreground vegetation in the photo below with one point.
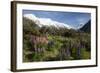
(52, 44)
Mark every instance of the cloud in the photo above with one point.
(30, 16)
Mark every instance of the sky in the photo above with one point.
(74, 19)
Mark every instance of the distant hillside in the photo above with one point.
(86, 27)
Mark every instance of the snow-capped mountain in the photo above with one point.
(47, 22)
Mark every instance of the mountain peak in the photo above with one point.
(86, 27)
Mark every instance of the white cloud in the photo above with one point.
(31, 16)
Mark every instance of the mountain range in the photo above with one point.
(47, 22)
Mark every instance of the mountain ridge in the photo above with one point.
(86, 27)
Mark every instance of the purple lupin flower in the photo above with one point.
(79, 51)
(68, 52)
